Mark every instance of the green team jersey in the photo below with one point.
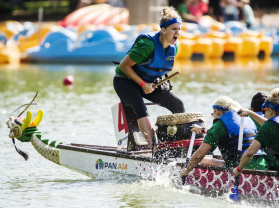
(213, 137)
(268, 136)
(181, 8)
(143, 51)
(256, 123)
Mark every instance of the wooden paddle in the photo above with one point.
(168, 78)
(189, 154)
(235, 195)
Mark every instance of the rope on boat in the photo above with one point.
(48, 152)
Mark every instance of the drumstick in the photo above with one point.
(168, 78)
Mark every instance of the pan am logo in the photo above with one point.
(101, 165)
(120, 141)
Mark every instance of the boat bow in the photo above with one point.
(48, 152)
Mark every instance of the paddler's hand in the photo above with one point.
(235, 173)
(183, 172)
(148, 88)
(196, 128)
(244, 112)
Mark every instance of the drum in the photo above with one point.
(174, 133)
(178, 126)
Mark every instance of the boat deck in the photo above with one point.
(143, 155)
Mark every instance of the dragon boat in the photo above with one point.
(133, 156)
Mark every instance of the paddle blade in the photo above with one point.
(189, 155)
(183, 179)
(235, 195)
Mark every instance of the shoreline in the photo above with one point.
(268, 19)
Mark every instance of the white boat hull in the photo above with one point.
(92, 160)
(91, 163)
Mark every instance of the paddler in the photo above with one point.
(150, 58)
(268, 135)
(224, 135)
(256, 105)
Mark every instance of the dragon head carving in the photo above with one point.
(23, 128)
(15, 127)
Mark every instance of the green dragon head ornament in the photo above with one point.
(24, 128)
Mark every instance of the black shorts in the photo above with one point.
(131, 94)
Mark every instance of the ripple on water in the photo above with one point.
(83, 115)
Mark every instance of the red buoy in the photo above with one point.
(68, 80)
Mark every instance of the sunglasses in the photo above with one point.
(264, 109)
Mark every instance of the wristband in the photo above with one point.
(204, 131)
(238, 170)
(142, 83)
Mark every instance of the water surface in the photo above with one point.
(82, 114)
